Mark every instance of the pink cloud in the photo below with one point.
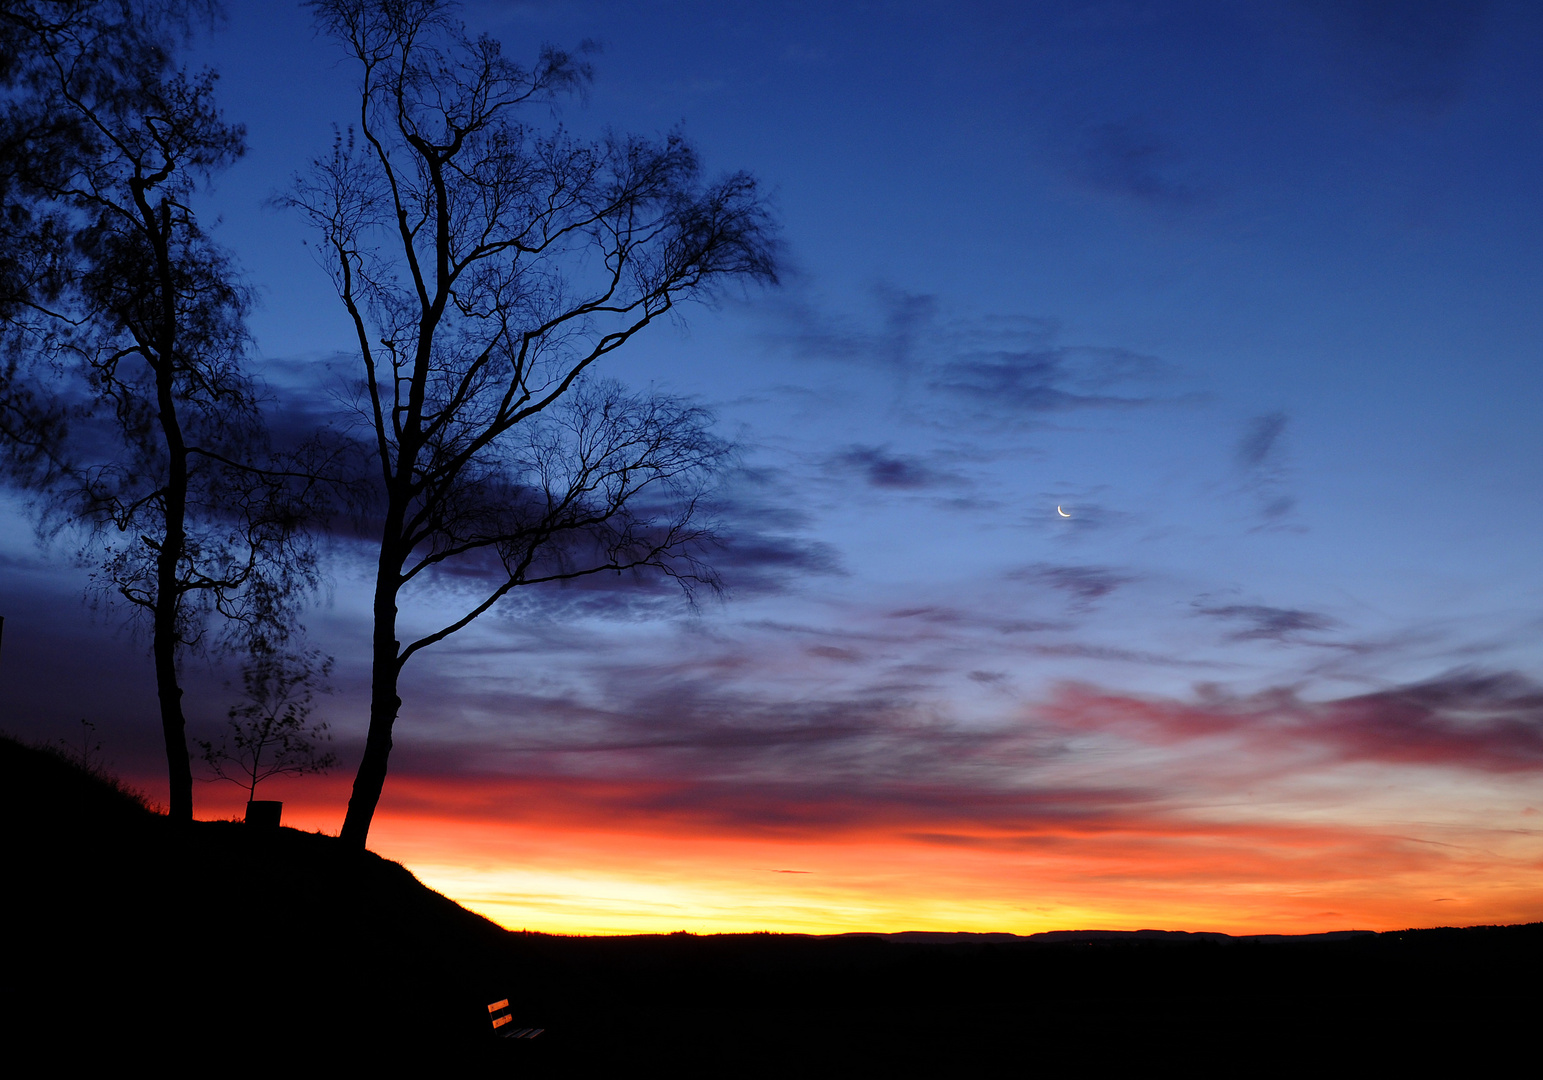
(1489, 723)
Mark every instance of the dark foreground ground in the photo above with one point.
(223, 949)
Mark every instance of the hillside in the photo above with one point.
(134, 940)
(126, 930)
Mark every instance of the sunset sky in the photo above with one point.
(1253, 292)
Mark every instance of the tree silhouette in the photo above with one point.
(35, 248)
(270, 733)
(485, 266)
(131, 320)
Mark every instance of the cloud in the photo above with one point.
(1127, 158)
(753, 562)
(1413, 54)
(834, 652)
(691, 750)
(1001, 366)
(882, 469)
(764, 534)
(1261, 457)
(792, 809)
(929, 614)
(1260, 442)
(1118, 793)
(1083, 651)
(1490, 723)
(1269, 623)
(907, 324)
(1084, 584)
(1045, 380)
(759, 548)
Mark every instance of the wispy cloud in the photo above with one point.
(881, 468)
(1129, 158)
(1265, 623)
(1418, 56)
(1004, 367)
(1083, 584)
(1046, 380)
(1261, 459)
(1258, 446)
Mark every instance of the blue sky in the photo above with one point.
(1250, 290)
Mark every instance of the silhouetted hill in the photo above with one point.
(128, 930)
(224, 948)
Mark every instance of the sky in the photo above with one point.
(1136, 515)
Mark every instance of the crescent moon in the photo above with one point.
(1063, 513)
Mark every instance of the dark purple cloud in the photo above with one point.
(1265, 623)
(1492, 722)
(882, 469)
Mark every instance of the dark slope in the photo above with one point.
(221, 947)
(127, 933)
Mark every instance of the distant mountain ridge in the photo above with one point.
(959, 937)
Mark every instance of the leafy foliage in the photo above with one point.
(124, 398)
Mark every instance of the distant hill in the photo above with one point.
(226, 948)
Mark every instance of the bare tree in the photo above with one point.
(138, 334)
(486, 265)
(271, 733)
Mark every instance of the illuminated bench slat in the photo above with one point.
(498, 1013)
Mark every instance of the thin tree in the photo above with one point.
(141, 334)
(270, 733)
(485, 266)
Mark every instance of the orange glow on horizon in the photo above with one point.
(558, 856)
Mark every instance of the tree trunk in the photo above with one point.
(371, 777)
(384, 700)
(168, 591)
(179, 768)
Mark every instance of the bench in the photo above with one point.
(503, 1023)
